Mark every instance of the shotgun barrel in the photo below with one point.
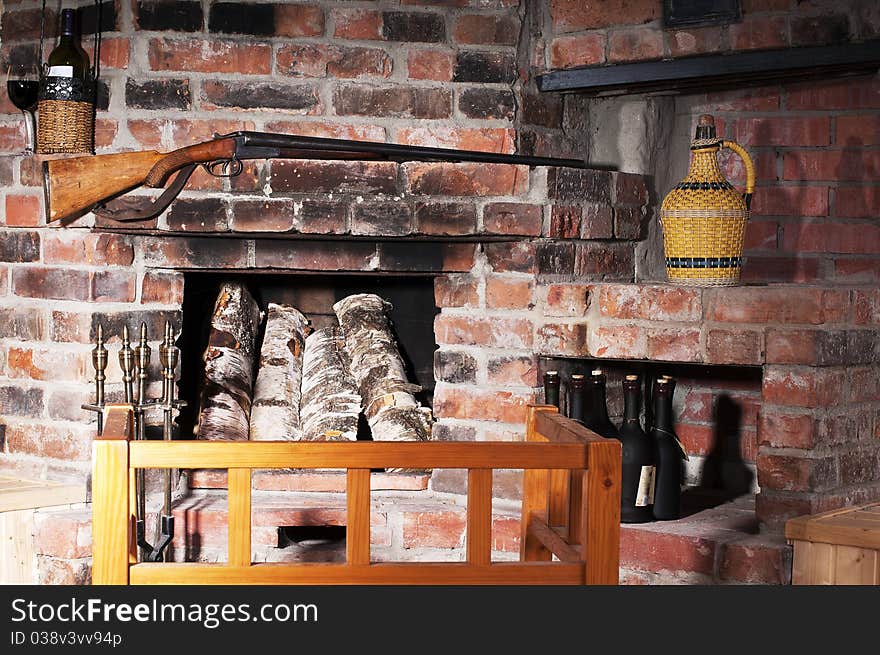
(75, 186)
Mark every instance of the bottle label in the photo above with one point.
(645, 493)
(61, 71)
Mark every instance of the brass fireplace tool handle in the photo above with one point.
(134, 364)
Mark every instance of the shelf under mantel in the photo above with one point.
(716, 71)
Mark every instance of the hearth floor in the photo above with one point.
(717, 544)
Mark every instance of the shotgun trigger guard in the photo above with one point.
(223, 167)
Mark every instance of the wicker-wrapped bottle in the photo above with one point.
(704, 217)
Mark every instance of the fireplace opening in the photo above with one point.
(411, 315)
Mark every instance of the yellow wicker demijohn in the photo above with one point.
(704, 217)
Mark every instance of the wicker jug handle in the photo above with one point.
(750, 169)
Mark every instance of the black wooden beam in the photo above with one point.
(716, 71)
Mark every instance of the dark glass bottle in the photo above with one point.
(596, 409)
(637, 482)
(551, 388)
(576, 397)
(667, 488)
(68, 59)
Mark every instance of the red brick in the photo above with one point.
(513, 218)
(486, 139)
(859, 130)
(148, 133)
(513, 370)
(859, 467)
(74, 248)
(52, 283)
(357, 24)
(434, 65)
(567, 300)
(311, 176)
(597, 221)
(65, 534)
(581, 50)
(857, 202)
(565, 222)
(574, 15)
(466, 179)
(635, 44)
(202, 56)
(866, 305)
(800, 387)
(734, 347)
(647, 550)
(697, 439)
(295, 20)
(780, 428)
(780, 269)
(674, 344)
(618, 342)
(562, 339)
(434, 529)
(54, 441)
(784, 473)
(505, 532)
(650, 303)
(332, 130)
(805, 347)
(761, 235)
(44, 364)
(114, 53)
(865, 384)
(162, 287)
(486, 29)
(791, 201)
(758, 559)
(774, 509)
(630, 189)
(51, 571)
(497, 332)
(831, 165)
(12, 137)
(857, 270)
(114, 286)
(695, 41)
(851, 93)
(784, 131)
(446, 218)
(23, 211)
(806, 305)
(759, 32)
(518, 257)
(455, 291)
(504, 292)
(457, 401)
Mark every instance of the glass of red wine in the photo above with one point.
(22, 86)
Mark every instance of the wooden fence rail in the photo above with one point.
(570, 507)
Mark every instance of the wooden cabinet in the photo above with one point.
(840, 547)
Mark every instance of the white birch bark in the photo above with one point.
(275, 414)
(331, 404)
(229, 362)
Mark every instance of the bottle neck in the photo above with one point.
(597, 407)
(663, 410)
(68, 26)
(631, 403)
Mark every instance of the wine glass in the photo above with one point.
(22, 86)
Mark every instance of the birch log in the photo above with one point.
(229, 362)
(275, 411)
(389, 405)
(331, 404)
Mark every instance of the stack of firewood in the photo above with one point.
(309, 386)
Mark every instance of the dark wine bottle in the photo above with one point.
(576, 389)
(551, 388)
(668, 453)
(68, 59)
(637, 483)
(596, 409)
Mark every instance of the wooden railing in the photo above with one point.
(570, 507)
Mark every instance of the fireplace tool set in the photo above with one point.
(134, 363)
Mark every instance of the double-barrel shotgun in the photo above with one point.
(76, 186)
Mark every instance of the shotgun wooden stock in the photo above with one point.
(75, 186)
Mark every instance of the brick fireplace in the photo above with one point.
(525, 270)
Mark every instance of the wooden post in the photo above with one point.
(239, 494)
(601, 512)
(357, 519)
(112, 525)
(479, 516)
(536, 490)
